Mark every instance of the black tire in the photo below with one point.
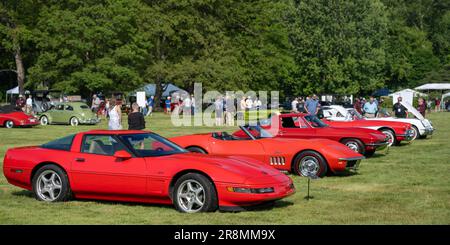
(44, 120)
(416, 132)
(209, 194)
(423, 136)
(355, 144)
(196, 149)
(320, 169)
(64, 192)
(9, 124)
(369, 153)
(390, 134)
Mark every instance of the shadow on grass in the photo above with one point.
(260, 207)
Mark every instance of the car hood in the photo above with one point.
(412, 110)
(18, 115)
(240, 167)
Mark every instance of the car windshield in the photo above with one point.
(315, 121)
(355, 114)
(151, 144)
(258, 132)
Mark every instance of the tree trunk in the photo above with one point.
(157, 98)
(20, 70)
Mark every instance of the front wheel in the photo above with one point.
(355, 145)
(194, 193)
(50, 184)
(309, 164)
(9, 124)
(391, 136)
(74, 121)
(44, 120)
(415, 132)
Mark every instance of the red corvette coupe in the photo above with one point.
(10, 117)
(141, 166)
(304, 126)
(303, 157)
(396, 131)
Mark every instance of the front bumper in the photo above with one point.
(238, 200)
(90, 121)
(408, 136)
(352, 163)
(427, 131)
(30, 123)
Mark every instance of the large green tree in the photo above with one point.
(338, 45)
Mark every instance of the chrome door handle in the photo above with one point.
(79, 159)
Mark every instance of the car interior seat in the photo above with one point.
(98, 147)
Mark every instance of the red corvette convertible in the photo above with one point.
(304, 157)
(10, 117)
(141, 166)
(396, 131)
(304, 126)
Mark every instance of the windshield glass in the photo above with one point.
(148, 145)
(355, 114)
(63, 144)
(315, 121)
(258, 132)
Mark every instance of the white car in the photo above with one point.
(421, 126)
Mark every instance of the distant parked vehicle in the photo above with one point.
(73, 113)
(11, 117)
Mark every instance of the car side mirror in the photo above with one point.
(124, 155)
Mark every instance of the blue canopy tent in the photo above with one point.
(381, 92)
(167, 90)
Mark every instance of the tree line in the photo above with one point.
(294, 46)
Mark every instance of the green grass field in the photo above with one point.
(410, 185)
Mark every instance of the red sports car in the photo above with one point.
(304, 126)
(396, 131)
(10, 117)
(313, 157)
(141, 166)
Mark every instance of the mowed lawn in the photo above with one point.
(410, 185)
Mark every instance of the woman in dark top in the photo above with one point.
(422, 107)
(136, 120)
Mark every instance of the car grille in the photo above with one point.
(352, 163)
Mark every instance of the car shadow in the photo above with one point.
(261, 207)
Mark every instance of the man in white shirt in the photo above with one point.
(187, 105)
(192, 105)
(249, 103)
(29, 104)
(294, 104)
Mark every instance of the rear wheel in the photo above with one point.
(391, 136)
(194, 193)
(74, 121)
(196, 149)
(355, 145)
(44, 120)
(309, 164)
(9, 124)
(50, 184)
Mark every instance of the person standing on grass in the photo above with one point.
(248, 103)
(192, 105)
(241, 109)
(437, 105)
(370, 108)
(399, 110)
(312, 105)
(115, 116)
(150, 103)
(421, 106)
(186, 105)
(167, 103)
(29, 105)
(136, 119)
(294, 104)
(218, 104)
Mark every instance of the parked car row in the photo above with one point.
(199, 172)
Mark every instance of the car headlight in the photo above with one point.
(251, 190)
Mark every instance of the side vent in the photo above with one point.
(277, 161)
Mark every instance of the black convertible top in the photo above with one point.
(8, 109)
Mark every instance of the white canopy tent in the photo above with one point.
(434, 86)
(408, 90)
(11, 92)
